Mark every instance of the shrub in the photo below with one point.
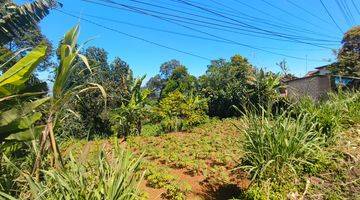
(115, 179)
(179, 112)
(151, 130)
(279, 146)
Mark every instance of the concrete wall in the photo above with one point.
(315, 87)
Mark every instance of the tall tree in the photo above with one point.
(227, 84)
(349, 54)
(63, 90)
(168, 67)
(180, 80)
(173, 76)
(92, 115)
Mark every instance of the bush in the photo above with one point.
(115, 179)
(179, 112)
(151, 130)
(280, 146)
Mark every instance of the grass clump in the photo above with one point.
(281, 145)
(340, 111)
(117, 178)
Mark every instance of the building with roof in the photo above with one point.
(318, 83)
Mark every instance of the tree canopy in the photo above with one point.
(349, 54)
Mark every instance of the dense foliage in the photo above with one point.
(349, 54)
(179, 112)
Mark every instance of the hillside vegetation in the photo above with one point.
(99, 133)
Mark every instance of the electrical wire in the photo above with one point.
(289, 13)
(228, 40)
(307, 11)
(259, 20)
(132, 36)
(355, 6)
(332, 18)
(346, 17)
(177, 33)
(271, 32)
(146, 12)
(158, 6)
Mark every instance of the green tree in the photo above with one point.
(155, 85)
(349, 54)
(264, 90)
(180, 80)
(92, 117)
(173, 76)
(179, 112)
(227, 84)
(167, 68)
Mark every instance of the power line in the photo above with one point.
(271, 32)
(145, 12)
(177, 33)
(332, 18)
(289, 13)
(356, 8)
(347, 19)
(196, 24)
(347, 9)
(225, 39)
(259, 19)
(307, 11)
(183, 12)
(134, 37)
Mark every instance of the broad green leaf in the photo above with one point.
(18, 74)
(26, 135)
(15, 113)
(19, 125)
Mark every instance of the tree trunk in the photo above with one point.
(139, 127)
(47, 133)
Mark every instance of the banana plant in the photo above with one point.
(63, 90)
(128, 117)
(16, 121)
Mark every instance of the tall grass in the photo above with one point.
(279, 145)
(109, 179)
(340, 111)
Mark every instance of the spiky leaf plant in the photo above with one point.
(115, 178)
(279, 146)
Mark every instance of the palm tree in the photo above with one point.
(15, 20)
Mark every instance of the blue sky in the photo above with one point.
(145, 58)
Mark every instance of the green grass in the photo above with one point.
(275, 146)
